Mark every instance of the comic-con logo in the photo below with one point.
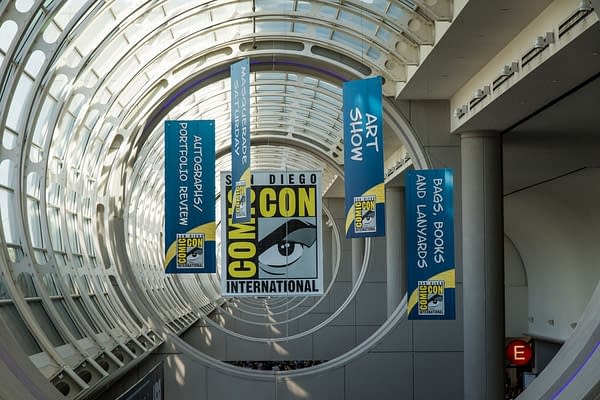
(365, 214)
(190, 250)
(431, 297)
(240, 198)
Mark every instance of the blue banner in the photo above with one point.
(240, 139)
(363, 159)
(190, 197)
(430, 244)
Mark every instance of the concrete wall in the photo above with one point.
(555, 226)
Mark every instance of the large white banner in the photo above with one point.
(279, 251)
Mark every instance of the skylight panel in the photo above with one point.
(300, 27)
(9, 218)
(328, 13)
(384, 34)
(309, 80)
(51, 33)
(41, 130)
(348, 40)
(379, 5)
(9, 139)
(20, 96)
(227, 11)
(395, 12)
(7, 34)
(373, 53)
(34, 64)
(270, 75)
(94, 33)
(307, 92)
(171, 7)
(122, 8)
(127, 72)
(328, 99)
(273, 26)
(58, 85)
(357, 21)
(274, 6)
(303, 7)
(270, 88)
(67, 12)
(331, 88)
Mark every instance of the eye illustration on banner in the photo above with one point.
(190, 250)
(287, 248)
(195, 256)
(365, 214)
(368, 220)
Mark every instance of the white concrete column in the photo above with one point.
(483, 265)
(395, 246)
(358, 252)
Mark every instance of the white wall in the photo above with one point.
(515, 291)
(556, 228)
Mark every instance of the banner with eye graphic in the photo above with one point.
(279, 251)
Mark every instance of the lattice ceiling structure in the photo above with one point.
(86, 85)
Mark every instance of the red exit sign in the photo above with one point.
(519, 352)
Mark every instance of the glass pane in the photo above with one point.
(61, 308)
(9, 140)
(50, 285)
(46, 323)
(124, 302)
(51, 33)
(7, 173)
(7, 34)
(108, 321)
(35, 62)
(12, 318)
(26, 285)
(54, 228)
(4, 294)
(86, 315)
(20, 96)
(41, 129)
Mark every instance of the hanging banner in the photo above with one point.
(279, 251)
(430, 244)
(363, 158)
(240, 138)
(190, 197)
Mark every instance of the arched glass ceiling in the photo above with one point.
(84, 88)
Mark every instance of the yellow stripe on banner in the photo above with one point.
(447, 276)
(246, 177)
(377, 190)
(209, 235)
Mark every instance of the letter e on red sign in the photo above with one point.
(518, 352)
